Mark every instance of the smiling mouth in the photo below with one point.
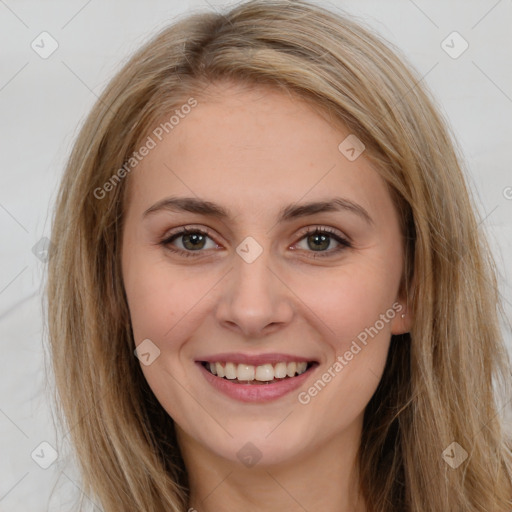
(263, 374)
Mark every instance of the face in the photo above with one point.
(263, 284)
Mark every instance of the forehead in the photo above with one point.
(253, 147)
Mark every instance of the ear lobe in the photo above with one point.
(403, 321)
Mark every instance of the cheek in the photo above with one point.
(345, 300)
(165, 302)
(358, 311)
(155, 299)
(349, 300)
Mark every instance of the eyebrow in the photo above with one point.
(292, 211)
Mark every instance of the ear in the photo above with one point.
(403, 320)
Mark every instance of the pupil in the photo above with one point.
(195, 239)
(320, 239)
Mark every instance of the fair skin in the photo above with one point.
(254, 152)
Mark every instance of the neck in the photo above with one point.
(325, 477)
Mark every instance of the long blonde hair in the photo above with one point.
(441, 380)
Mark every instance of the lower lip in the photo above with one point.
(256, 392)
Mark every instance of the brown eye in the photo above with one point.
(191, 240)
(320, 240)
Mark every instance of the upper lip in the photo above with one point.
(254, 359)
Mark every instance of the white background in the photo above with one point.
(43, 102)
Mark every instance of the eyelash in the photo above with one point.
(344, 243)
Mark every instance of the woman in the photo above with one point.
(205, 357)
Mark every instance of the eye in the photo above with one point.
(319, 239)
(192, 240)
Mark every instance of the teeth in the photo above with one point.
(220, 370)
(301, 367)
(230, 371)
(245, 372)
(291, 368)
(265, 372)
(280, 370)
(262, 373)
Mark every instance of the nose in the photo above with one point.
(255, 300)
